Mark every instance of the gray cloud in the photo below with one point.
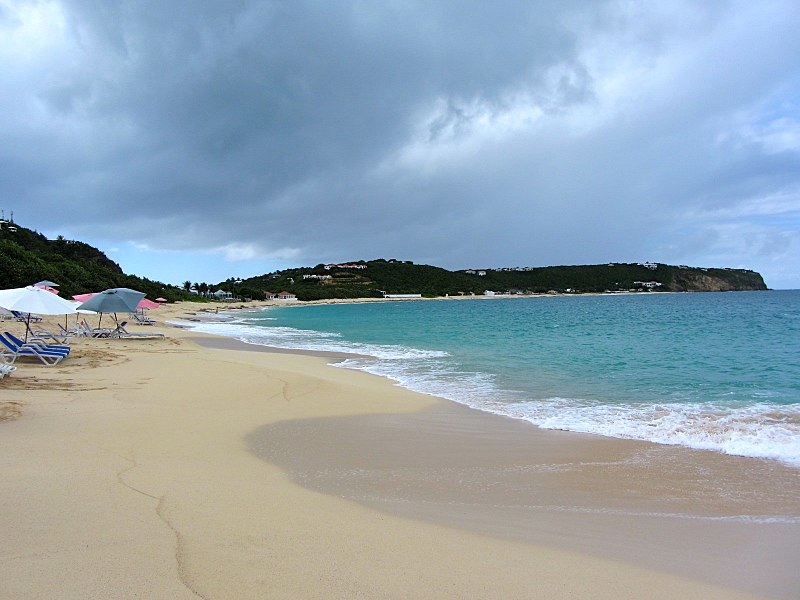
(460, 134)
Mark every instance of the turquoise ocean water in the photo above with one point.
(717, 371)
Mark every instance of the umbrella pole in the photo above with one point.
(28, 327)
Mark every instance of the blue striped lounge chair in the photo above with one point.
(12, 348)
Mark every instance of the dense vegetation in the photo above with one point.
(28, 257)
(377, 277)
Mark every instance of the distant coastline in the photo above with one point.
(78, 268)
(406, 280)
(257, 304)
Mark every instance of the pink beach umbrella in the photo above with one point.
(161, 299)
(50, 286)
(84, 297)
(145, 303)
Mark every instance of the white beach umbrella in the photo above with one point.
(32, 299)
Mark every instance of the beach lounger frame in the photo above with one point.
(121, 333)
(142, 319)
(95, 332)
(44, 335)
(25, 317)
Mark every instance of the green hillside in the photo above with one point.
(28, 257)
(365, 279)
(623, 277)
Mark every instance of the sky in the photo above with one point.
(212, 139)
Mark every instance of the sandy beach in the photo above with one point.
(199, 467)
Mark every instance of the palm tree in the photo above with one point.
(187, 285)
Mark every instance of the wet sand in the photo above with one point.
(720, 519)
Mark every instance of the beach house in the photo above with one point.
(344, 266)
(287, 296)
(402, 295)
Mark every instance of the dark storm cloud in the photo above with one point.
(455, 133)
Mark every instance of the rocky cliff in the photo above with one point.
(714, 280)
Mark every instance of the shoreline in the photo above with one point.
(236, 305)
(639, 427)
(144, 464)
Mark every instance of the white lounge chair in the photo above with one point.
(121, 333)
(43, 335)
(95, 332)
(142, 319)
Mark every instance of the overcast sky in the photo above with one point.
(208, 139)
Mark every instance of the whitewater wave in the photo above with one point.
(303, 339)
(762, 430)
